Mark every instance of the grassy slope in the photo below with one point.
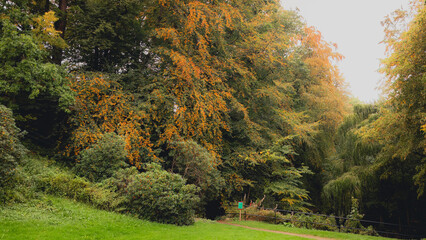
(326, 234)
(57, 218)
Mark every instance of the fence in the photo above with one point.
(405, 231)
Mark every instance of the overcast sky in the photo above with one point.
(355, 27)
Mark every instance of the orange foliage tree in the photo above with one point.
(325, 95)
(101, 107)
(188, 36)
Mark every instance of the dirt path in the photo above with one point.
(273, 231)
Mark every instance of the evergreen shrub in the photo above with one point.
(103, 158)
(161, 196)
(312, 222)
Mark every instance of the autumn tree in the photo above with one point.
(101, 107)
(401, 126)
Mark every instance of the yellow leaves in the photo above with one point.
(166, 3)
(326, 94)
(423, 128)
(229, 13)
(192, 79)
(169, 34)
(197, 17)
(45, 31)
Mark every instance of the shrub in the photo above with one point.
(103, 158)
(118, 184)
(161, 196)
(193, 162)
(68, 185)
(353, 223)
(11, 151)
(37, 175)
(264, 215)
(313, 222)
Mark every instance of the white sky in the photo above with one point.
(355, 27)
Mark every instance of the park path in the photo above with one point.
(280, 232)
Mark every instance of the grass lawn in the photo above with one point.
(57, 218)
(326, 234)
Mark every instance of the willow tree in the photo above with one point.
(348, 172)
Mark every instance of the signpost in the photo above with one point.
(240, 207)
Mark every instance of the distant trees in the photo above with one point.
(380, 154)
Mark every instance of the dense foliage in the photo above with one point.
(11, 152)
(212, 102)
(161, 196)
(103, 158)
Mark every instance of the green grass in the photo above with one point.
(56, 218)
(326, 234)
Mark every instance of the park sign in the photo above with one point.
(240, 205)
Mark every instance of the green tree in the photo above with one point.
(11, 152)
(106, 36)
(197, 165)
(35, 89)
(347, 170)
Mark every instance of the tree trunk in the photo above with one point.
(60, 25)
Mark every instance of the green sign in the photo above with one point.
(240, 205)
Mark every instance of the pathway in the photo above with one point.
(280, 232)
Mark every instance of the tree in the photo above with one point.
(11, 152)
(101, 107)
(401, 126)
(347, 170)
(35, 89)
(106, 36)
(197, 165)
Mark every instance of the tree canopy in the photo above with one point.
(230, 99)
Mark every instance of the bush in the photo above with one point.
(67, 185)
(297, 220)
(118, 184)
(161, 196)
(264, 215)
(104, 158)
(11, 152)
(313, 222)
(353, 223)
(37, 175)
(197, 166)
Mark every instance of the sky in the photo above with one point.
(355, 27)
